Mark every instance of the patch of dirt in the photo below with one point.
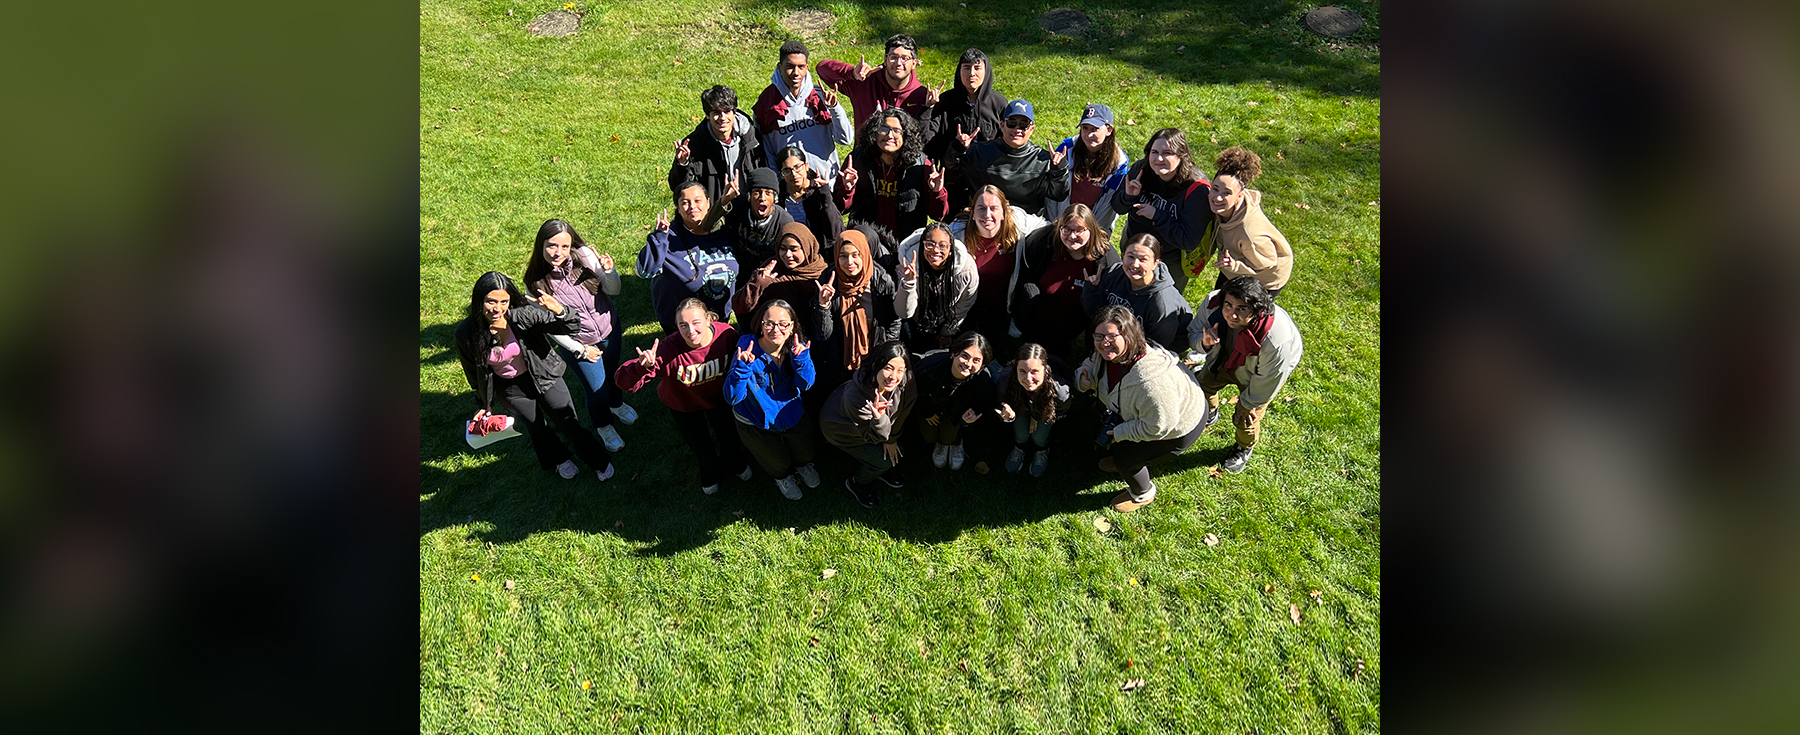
(711, 32)
(808, 21)
(1065, 22)
(555, 24)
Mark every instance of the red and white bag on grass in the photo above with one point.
(488, 430)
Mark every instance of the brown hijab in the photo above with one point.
(853, 321)
(811, 266)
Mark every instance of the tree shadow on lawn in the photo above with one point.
(655, 503)
(1199, 43)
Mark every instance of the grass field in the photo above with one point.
(965, 603)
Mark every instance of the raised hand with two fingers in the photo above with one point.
(682, 154)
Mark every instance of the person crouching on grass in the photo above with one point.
(504, 346)
(863, 417)
(692, 364)
(956, 389)
(773, 368)
(1252, 343)
(1032, 399)
(1159, 409)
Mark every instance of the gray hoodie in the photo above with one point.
(1163, 312)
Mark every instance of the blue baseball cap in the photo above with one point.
(1018, 108)
(1097, 115)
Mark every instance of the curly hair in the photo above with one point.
(911, 143)
(1240, 163)
(718, 98)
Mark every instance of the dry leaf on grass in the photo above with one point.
(509, 585)
(814, 642)
(829, 573)
(1252, 104)
(1133, 581)
(738, 513)
(1216, 472)
(1131, 685)
(1130, 121)
(1102, 525)
(1269, 588)
(1211, 540)
(1294, 613)
(618, 524)
(615, 139)
(475, 577)
(981, 468)
(1315, 595)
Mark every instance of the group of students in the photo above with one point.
(806, 296)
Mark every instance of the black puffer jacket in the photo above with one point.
(532, 325)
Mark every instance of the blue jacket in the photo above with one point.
(766, 395)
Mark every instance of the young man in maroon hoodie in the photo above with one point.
(895, 86)
(692, 364)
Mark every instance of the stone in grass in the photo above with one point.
(1065, 22)
(555, 24)
(1333, 21)
(808, 21)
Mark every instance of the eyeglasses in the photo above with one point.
(888, 131)
(1103, 337)
(1018, 124)
(777, 325)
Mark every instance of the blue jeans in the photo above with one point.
(1022, 433)
(596, 377)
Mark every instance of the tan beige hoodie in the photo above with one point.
(1256, 247)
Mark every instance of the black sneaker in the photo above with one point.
(869, 495)
(1235, 461)
(893, 478)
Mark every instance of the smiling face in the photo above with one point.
(971, 76)
(889, 135)
(936, 249)
(694, 327)
(849, 261)
(790, 253)
(1237, 314)
(762, 202)
(1092, 137)
(1109, 342)
(986, 214)
(1227, 195)
(793, 70)
(692, 206)
(1139, 262)
(777, 325)
(721, 122)
(1015, 130)
(1075, 236)
(495, 304)
(899, 66)
(556, 249)
(1163, 160)
(891, 375)
(966, 362)
(1031, 374)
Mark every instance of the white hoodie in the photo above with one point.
(800, 126)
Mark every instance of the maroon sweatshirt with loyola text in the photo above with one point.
(692, 380)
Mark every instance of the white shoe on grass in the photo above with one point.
(567, 469)
(626, 414)
(609, 437)
(710, 489)
(809, 475)
(956, 456)
(605, 474)
(940, 454)
(789, 488)
(745, 475)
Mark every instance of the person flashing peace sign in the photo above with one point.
(771, 370)
(864, 416)
(888, 181)
(892, 84)
(692, 364)
(937, 282)
(584, 281)
(969, 113)
(1165, 195)
(691, 256)
(1030, 176)
(1097, 166)
(791, 276)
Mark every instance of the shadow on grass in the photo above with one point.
(1198, 43)
(655, 503)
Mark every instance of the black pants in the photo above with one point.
(1134, 458)
(711, 433)
(780, 453)
(536, 410)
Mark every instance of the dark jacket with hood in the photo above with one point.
(1025, 174)
(1182, 213)
(1161, 309)
(532, 326)
(915, 203)
(1036, 251)
(822, 215)
(955, 107)
(753, 243)
(706, 158)
(941, 396)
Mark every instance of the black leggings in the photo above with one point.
(711, 433)
(537, 410)
(1134, 458)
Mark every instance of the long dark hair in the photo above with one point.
(1042, 400)
(793, 334)
(910, 141)
(1097, 164)
(879, 356)
(537, 268)
(1184, 174)
(974, 339)
(488, 282)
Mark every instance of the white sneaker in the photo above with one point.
(956, 456)
(789, 488)
(710, 489)
(567, 469)
(626, 414)
(605, 474)
(809, 475)
(745, 475)
(609, 437)
(940, 454)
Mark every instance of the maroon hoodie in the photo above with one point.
(693, 380)
(873, 93)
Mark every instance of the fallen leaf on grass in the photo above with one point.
(555, 159)
(695, 118)
(1216, 472)
(1127, 663)
(1303, 205)
(1231, 400)
(1315, 595)
(1211, 540)
(475, 577)
(509, 584)
(1177, 48)
(1294, 613)
(1252, 104)
(678, 63)
(618, 524)
(964, 665)
(829, 573)
(1102, 525)
(615, 139)
(1131, 685)
(814, 642)
(1133, 581)
(1130, 121)
(1269, 588)
(981, 468)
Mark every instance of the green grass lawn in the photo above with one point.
(965, 603)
